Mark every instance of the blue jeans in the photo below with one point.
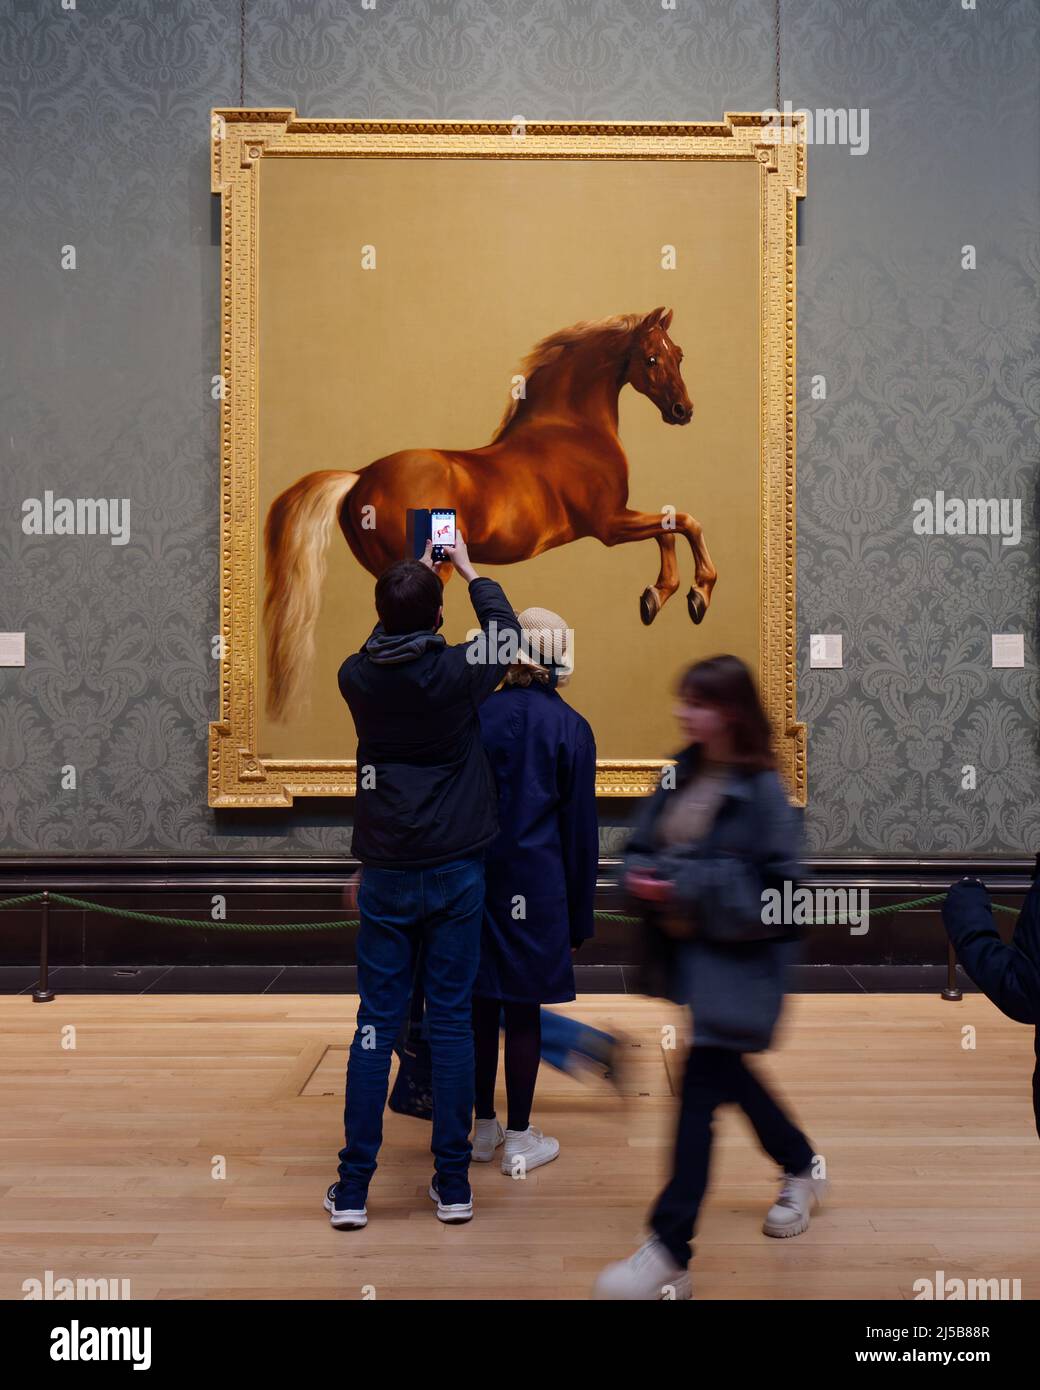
(442, 908)
(565, 1039)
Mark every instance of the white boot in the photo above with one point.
(487, 1135)
(789, 1214)
(526, 1149)
(650, 1274)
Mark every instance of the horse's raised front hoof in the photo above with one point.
(695, 603)
(649, 606)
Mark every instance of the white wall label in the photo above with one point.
(12, 648)
(825, 649)
(1009, 649)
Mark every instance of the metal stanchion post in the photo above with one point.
(42, 994)
(953, 989)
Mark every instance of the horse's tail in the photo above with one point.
(296, 537)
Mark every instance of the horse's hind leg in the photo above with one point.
(654, 598)
(704, 572)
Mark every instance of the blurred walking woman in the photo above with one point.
(710, 841)
(540, 877)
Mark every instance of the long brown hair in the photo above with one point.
(725, 683)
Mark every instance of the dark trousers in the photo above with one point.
(523, 1029)
(715, 1075)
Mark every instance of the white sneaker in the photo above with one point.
(487, 1135)
(526, 1149)
(789, 1214)
(651, 1273)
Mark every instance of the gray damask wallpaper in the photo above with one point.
(918, 317)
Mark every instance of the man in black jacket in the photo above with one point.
(425, 809)
(1008, 975)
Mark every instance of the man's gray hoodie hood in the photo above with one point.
(387, 650)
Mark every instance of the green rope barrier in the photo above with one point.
(208, 924)
(28, 898)
(898, 907)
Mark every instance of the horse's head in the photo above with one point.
(653, 368)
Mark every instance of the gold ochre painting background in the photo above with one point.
(476, 260)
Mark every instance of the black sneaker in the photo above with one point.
(347, 1211)
(452, 1212)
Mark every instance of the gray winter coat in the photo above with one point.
(733, 971)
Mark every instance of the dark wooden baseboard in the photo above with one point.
(27, 872)
(268, 890)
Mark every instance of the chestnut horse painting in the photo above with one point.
(554, 472)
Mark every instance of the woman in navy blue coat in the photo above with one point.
(540, 876)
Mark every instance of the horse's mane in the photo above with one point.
(548, 351)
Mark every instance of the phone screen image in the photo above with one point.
(442, 531)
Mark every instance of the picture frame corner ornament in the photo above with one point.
(250, 766)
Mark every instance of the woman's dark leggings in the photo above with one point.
(523, 1028)
(713, 1076)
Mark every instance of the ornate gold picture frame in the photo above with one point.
(242, 140)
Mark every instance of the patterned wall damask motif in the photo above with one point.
(932, 374)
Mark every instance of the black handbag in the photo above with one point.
(412, 1092)
(657, 966)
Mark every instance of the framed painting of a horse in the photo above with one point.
(579, 336)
